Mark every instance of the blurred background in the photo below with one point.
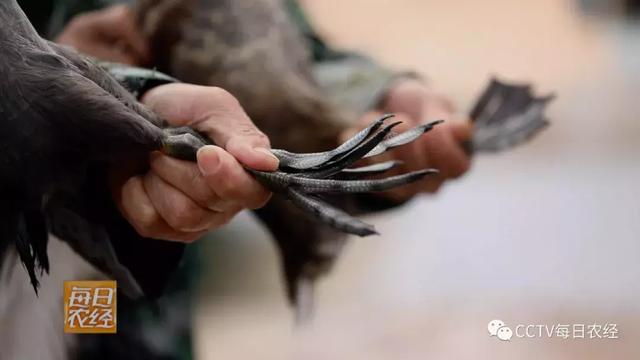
(546, 234)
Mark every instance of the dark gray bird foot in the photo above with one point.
(303, 177)
(183, 143)
(506, 115)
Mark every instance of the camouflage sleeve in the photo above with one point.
(354, 82)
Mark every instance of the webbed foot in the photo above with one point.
(506, 115)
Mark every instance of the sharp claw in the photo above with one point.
(402, 139)
(317, 186)
(350, 158)
(296, 184)
(375, 168)
(329, 215)
(310, 160)
(365, 171)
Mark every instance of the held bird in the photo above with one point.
(253, 49)
(64, 121)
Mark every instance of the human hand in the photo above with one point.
(414, 103)
(181, 201)
(109, 34)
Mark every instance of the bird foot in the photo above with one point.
(303, 177)
(506, 115)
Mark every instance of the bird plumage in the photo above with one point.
(62, 120)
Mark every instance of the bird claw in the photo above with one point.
(301, 177)
(310, 160)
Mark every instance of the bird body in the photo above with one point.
(66, 122)
(61, 117)
(252, 49)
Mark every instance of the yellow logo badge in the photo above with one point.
(90, 307)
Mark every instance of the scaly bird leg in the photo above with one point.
(329, 215)
(282, 182)
(183, 143)
(307, 174)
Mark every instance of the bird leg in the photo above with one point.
(301, 177)
(183, 143)
(304, 176)
(308, 174)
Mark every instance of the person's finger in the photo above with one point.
(407, 96)
(447, 153)
(127, 32)
(218, 114)
(462, 131)
(109, 34)
(178, 210)
(229, 180)
(432, 185)
(137, 208)
(459, 161)
(118, 24)
(187, 177)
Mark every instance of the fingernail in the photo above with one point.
(208, 160)
(268, 153)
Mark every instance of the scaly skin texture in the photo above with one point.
(252, 49)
